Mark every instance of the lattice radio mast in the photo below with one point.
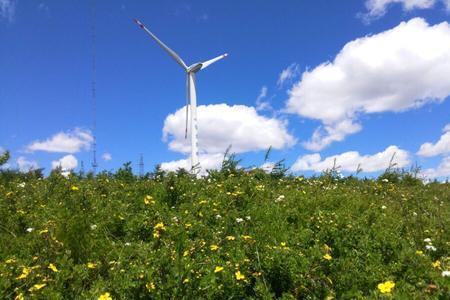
(141, 165)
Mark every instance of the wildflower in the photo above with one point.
(188, 225)
(246, 237)
(427, 240)
(185, 253)
(239, 220)
(10, 261)
(37, 287)
(53, 267)
(386, 287)
(430, 247)
(230, 238)
(218, 269)
(239, 275)
(186, 280)
(74, 188)
(105, 296)
(91, 265)
(383, 207)
(218, 216)
(279, 199)
(445, 273)
(19, 297)
(150, 286)
(419, 252)
(30, 229)
(327, 257)
(214, 247)
(149, 200)
(248, 218)
(436, 264)
(43, 231)
(25, 272)
(159, 226)
(283, 244)
(93, 227)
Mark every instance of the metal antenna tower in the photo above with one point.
(82, 168)
(93, 90)
(141, 165)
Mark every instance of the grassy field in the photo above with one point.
(232, 235)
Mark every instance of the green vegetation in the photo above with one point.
(234, 234)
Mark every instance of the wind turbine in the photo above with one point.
(191, 99)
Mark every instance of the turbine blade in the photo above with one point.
(211, 61)
(172, 53)
(187, 107)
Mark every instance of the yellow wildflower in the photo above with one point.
(185, 253)
(150, 286)
(10, 261)
(419, 252)
(37, 287)
(159, 226)
(19, 297)
(218, 269)
(239, 275)
(246, 237)
(213, 247)
(9, 194)
(186, 280)
(327, 256)
(188, 225)
(283, 244)
(436, 264)
(25, 272)
(149, 200)
(74, 188)
(230, 238)
(156, 234)
(53, 267)
(105, 296)
(43, 231)
(91, 265)
(386, 287)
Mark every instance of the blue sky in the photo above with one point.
(45, 76)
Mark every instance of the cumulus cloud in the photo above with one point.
(64, 142)
(393, 71)
(288, 74)
(442, 170)
(66, 163)
(26, 165)
(207, 162)
(221, 125)
(106, 156)
(440, 147)
(352, 160)
(7, 10)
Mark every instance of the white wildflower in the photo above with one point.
(30, 229)
(383, 207)
(279, 199)
(446, 273)
(93, 226)
(427, 240)
(430, 247)
(218, 216)
(239, 220)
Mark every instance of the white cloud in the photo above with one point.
(442, 170)
(26, 165)
(207, 162)
(288, 74)
(106, 156)
(441, 147)
(64, 142)
(393, 71)
(378, 8)
(66, 163)
(7, 10)
(350, 161)
(221, 125)
(260, 103)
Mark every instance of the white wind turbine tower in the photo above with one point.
(191, 99)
